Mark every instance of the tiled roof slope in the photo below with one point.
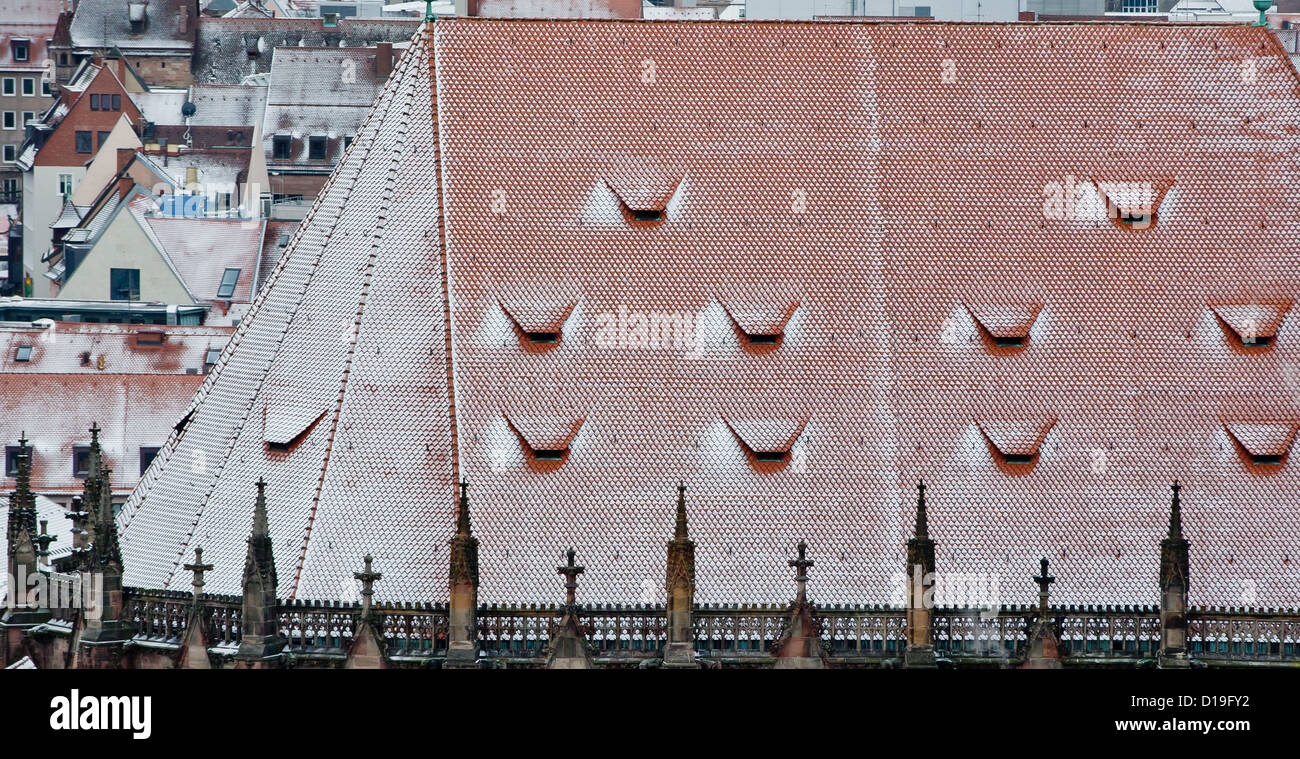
(74, 347)
(221, 52)
(57, 410)
(889, 179)
(366, 228)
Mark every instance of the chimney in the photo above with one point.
(383, 60)
(183, 26)
(136, 12)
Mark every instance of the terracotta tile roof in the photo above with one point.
(57, 410)
(882, 177)
(79, 348)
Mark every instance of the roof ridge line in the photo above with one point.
(444, 259)
(376, 237)
(201, 395)
(132, 505)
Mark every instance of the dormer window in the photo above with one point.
(287, 423)
(545, 440)
(1004, 325)
(538, 324)
(767, 443)
(1252, 325)
(1132, 203)
(1016, 442)
(1263, 443)
(644, 192)
(760, 324)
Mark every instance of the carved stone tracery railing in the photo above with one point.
(850, 633)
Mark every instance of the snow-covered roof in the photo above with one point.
(229, 49)
(829, 165)
(227, 105)
(105, 23)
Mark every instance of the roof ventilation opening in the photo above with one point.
(284, 427)
(1264, 444)
(644, 194)
(542, 337)
(545, 440)
(1132, 204)
(1015, 444)
(1003, 325)
(760, 327)
(767, 443)
(1252, 325)
(539, 326)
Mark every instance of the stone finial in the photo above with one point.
(922, 529)
(1044, 581)
(570, 572)
(1176, 515)
(680, 530)
(260, 527)
(198, 568)
(462, 512)
(368, 578)
(43, 543)
(801, 566)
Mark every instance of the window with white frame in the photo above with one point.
(65, 185)
(29, 86)
(11, 120)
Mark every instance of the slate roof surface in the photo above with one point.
(880, 176)
(227, 105)
(201, 249)
(221, 54)
(103, 23)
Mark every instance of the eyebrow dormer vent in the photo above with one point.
(767, 442)
(1253, 325)
(1004, 325)
(761, 324)
(1265, 443)
(285, 425)
(1132, 203)
(545, 439)
(1016, 442)
(643, 194)
(539, 325)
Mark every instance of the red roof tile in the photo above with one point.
(886, 175)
